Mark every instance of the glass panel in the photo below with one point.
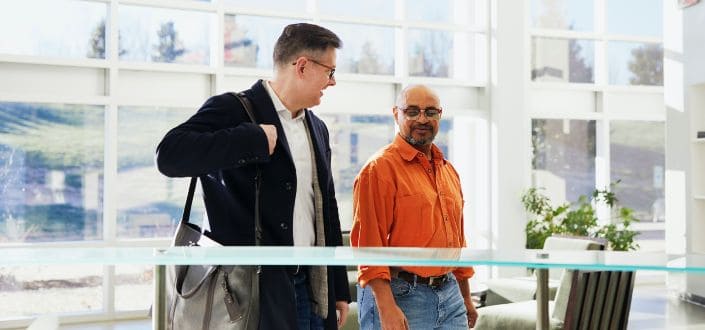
(149, 204)
(635, 63)
(637, 152)
(366, 48)
(354, 138)
(51, 172)
(429, 10)
(72, 29)
(564, 157)
(357, 8)
(379, 256)
(58, 289)
(134, 288)
(165, 35)
(249, 40)
(563, 60)
(621, 17)
(563, 14)
(430, 53)
(275, 5)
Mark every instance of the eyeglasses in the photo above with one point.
(413, 112)
(330, 68)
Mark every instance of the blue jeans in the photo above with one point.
(307, 319)
(424, 307)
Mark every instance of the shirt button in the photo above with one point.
(445, 218)
(288, 186)
(283, 226)
(241, 161)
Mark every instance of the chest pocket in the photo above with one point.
(413, 225)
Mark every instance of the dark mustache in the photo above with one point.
(423, 126)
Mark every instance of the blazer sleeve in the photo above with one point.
(218, 136)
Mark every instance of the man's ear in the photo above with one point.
(299, 66)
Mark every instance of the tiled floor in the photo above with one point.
(653, 307)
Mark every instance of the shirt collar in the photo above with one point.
(279, 105)
(408, 152)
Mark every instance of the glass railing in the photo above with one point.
(269, 255)
(541, 260)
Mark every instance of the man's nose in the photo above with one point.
(422, 118)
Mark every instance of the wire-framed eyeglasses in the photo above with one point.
(413, 112)
(331, 69)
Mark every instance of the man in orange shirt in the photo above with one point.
(408, 195)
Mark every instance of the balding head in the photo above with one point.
(416, 92)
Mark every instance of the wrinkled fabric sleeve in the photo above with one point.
(373, 214)
(218, 136)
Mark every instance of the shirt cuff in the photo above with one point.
(463, 273)
(368, 273)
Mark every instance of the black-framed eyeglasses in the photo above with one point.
(413, 112)
(330, 68)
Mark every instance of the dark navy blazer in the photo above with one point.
(220, 144)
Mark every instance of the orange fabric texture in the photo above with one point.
(401, 199)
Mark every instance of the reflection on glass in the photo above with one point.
(637, 153)
(275, 5)
(562, 60)
(357, 8)
(51, 172)
(429, 10)
(562, 14)
(71, 29)
(133, 287)
(249, 40)
(621, 17)
(165, 35)
(430, 53)
(149, 204)
(635, 63)
(40, 290)
(366, 48)
(564, 157)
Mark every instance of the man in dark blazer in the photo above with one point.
(297, 199)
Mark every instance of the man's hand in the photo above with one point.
(271, 132)
(391, 317)
(472, 313)
(342, 307)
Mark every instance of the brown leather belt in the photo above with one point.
(432, 281)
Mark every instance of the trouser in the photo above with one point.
(307, 319)
(425, 307)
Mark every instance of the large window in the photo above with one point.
(51, 172)
(89, 87)
(596, 109)
(566, 42)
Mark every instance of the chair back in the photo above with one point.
(599, 300)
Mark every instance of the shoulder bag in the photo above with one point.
(213, 297)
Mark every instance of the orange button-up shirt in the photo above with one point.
(401, 199)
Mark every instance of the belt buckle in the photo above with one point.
(436, 281)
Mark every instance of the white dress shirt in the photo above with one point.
(295, 132)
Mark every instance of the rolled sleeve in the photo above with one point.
(463, 273)
(372, 216)
(368, 273)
